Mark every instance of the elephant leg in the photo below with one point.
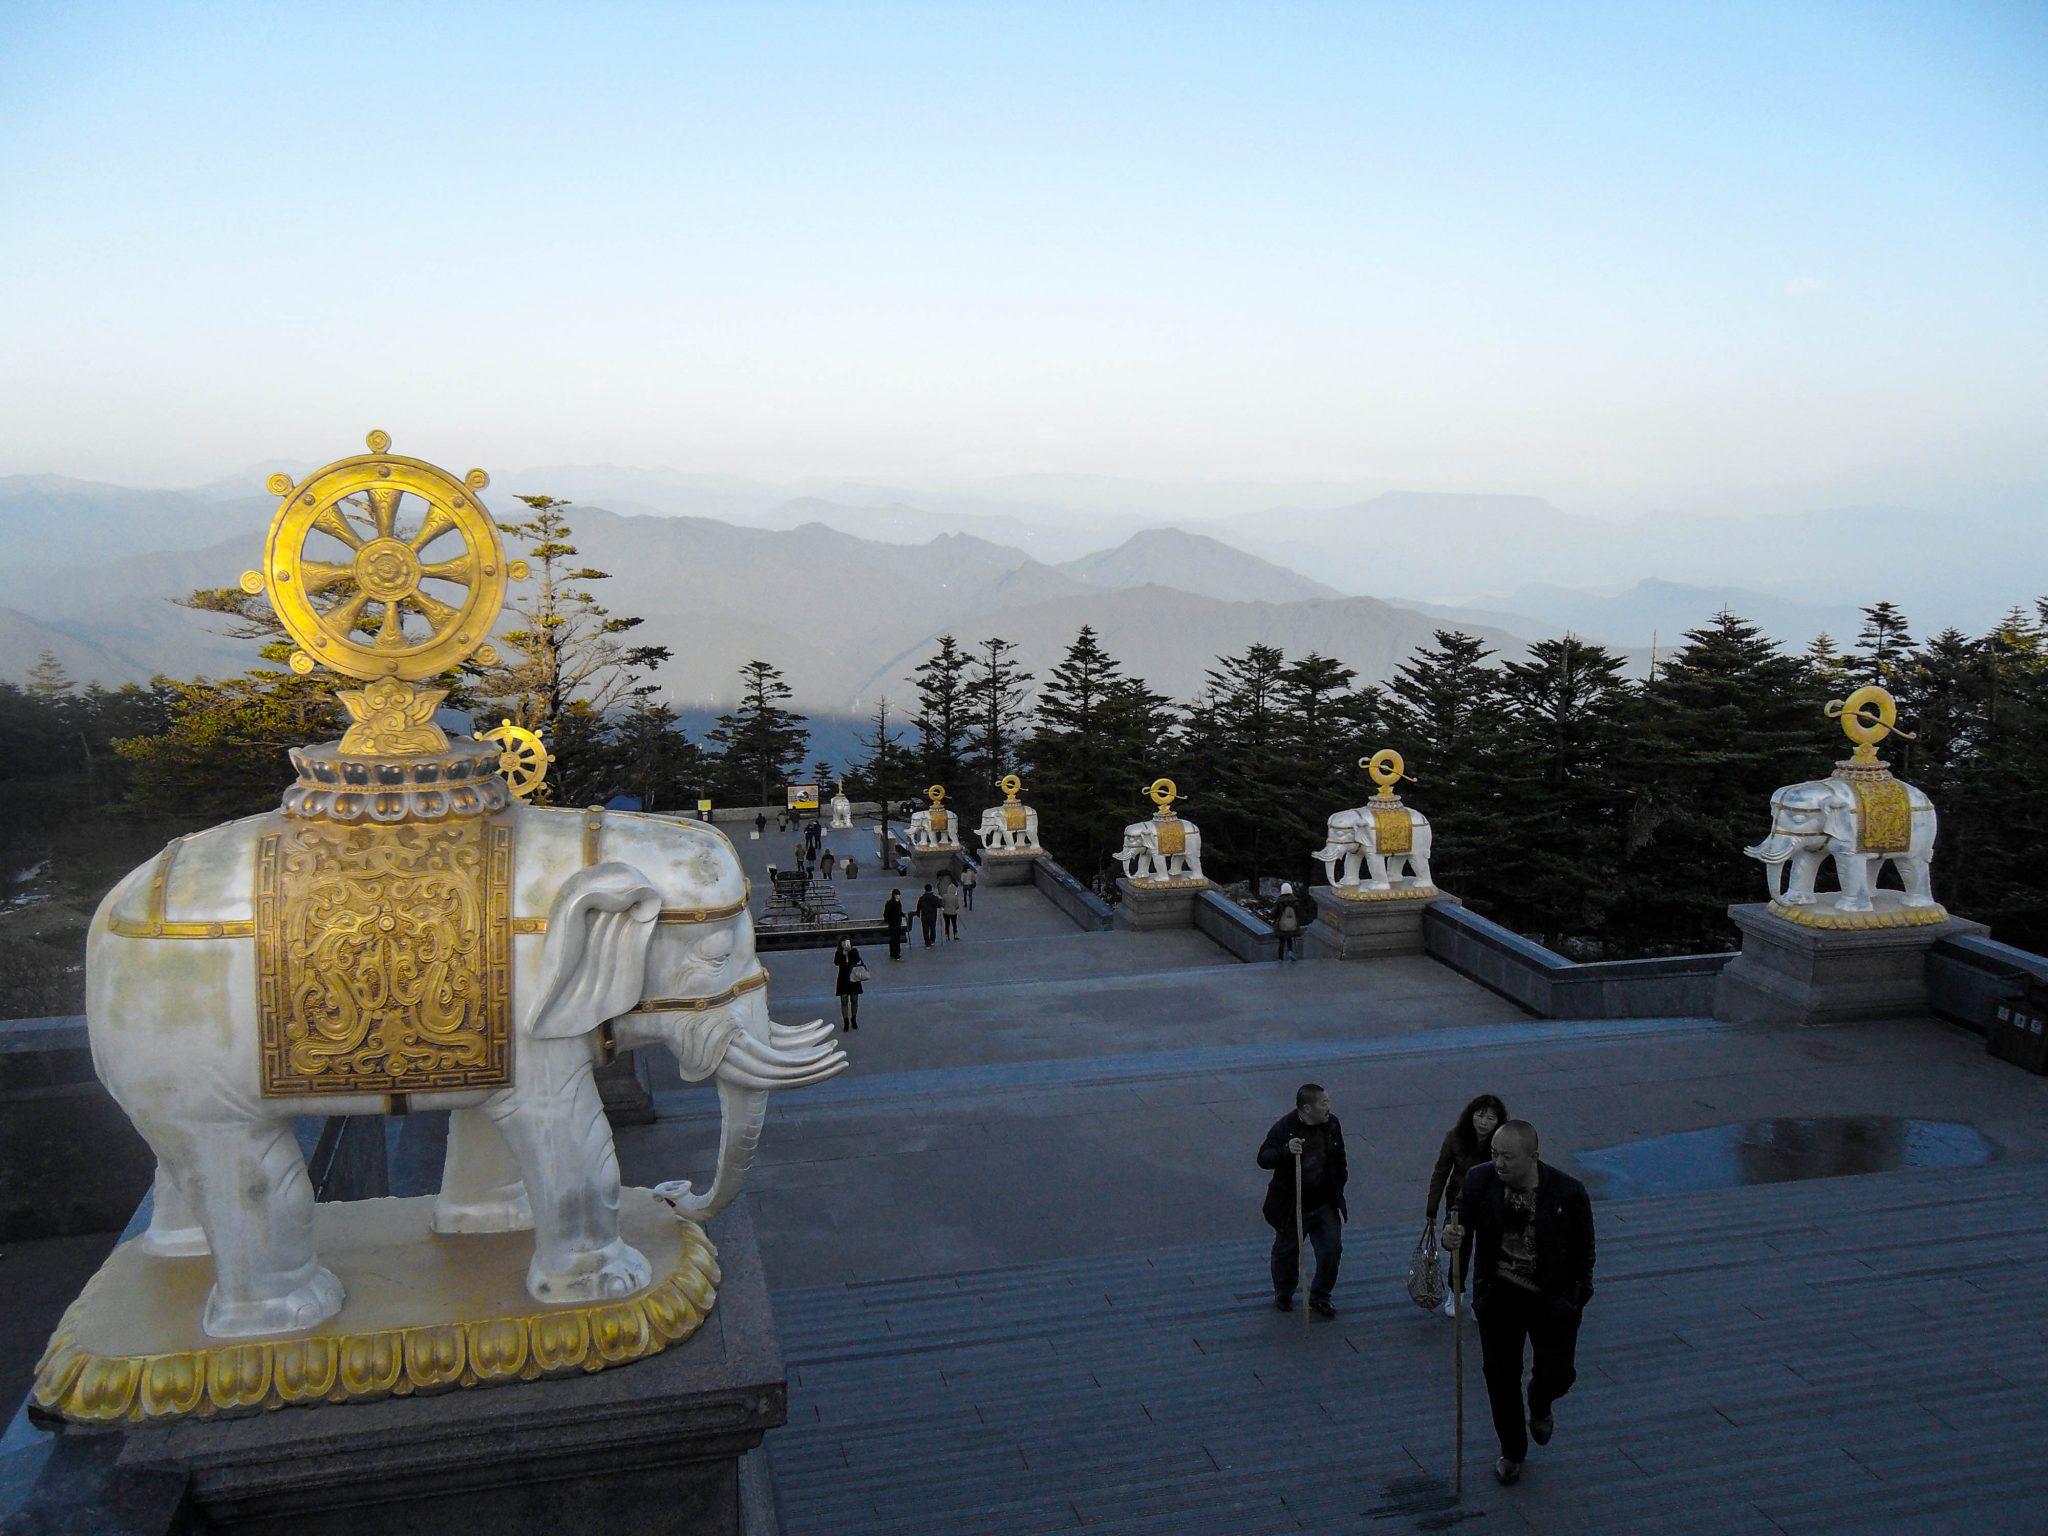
(1913, 876)
(1418, 865)
(1852, 873)
(174, 1229)
(564, 1147)
(1378, 864)
(481, 1190)
(248, 1183)
(1800, 876)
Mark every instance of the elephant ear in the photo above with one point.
(594, 963)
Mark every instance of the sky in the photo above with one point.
(1641, 254)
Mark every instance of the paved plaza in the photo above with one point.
(1019, 1271)
(1019, 1267)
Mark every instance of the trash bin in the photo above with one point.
(2019, 1028)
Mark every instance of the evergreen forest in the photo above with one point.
(1601, 814)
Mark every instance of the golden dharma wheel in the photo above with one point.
(1163, 793)
(1868, 715)
(522, 758)
(384, 566)
(935, 794)
(1010, 785)
(1386, 769)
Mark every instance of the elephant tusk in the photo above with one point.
(748, 1058)
(793, 1036)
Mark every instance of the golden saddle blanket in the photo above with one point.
(1013, 818)
(1884, 816)
(1173, 834)
(938, 823)
(383, 957)
(1393, 831)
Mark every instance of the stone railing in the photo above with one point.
(1088, 910)
(1552, 987)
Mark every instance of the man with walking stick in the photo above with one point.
(1305, 1202)
(1532, 1275)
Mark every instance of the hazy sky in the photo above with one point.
(1640, 249)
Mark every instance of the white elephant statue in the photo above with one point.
(1362, 848)
(935, 827)
(1828, 819)
(842, 811)
(1165, 847)
(646, 940)
(1011, 827)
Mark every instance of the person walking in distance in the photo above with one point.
(949, 905)
(897, 922)
(1466, 1145)
(1532, 1275)
(826, 863)
(851, 973)
(928, 915)
(1287, 921)
(1311, 1140)
(968, 881)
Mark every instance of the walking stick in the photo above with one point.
(1458, 1354)
(1300, 1241)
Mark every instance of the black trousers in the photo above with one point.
(1509, 1316)
(895, 943)
(931, 929)
(1325, 1231)
(952, 920)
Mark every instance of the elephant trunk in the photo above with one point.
(741, 1111)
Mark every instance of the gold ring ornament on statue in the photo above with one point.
(1011, 786)
(935, 794)
(1162, 794)
(381, 566)
(1387, 770)
(523, 758)
(1868, 716)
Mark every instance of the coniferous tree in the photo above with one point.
(885, 773)
(1728, 720)
(1095, 738)
(1994, 830)
(564, 668)
(945, 715)
(1447, 717)
(760, 744)
(995, 692)
(1234, 750)
(646, 755)
(1560, 862)
(1881, 646)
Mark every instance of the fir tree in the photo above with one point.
(760, 744)
(647, 755)
(1094, 740)
(945, 715)
(885, 773)
(1881, 645)
(995, 697)
(1447, 718)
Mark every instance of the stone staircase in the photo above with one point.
(1859, 1354)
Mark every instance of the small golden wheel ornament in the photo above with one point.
(1385, 769)
(1868, 716)
(1011, 786)
(1162, 793)
(381, 566)
(936, 794)
(522, 758)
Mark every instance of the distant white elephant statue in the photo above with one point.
(1011, 827)
(842, 811)
(1149, 847)
(647, 941)
(1822, 819)
(936, 827)
(1353, 854)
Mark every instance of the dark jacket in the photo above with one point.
(1564, 1231)
(1454, 1159)
(928, 908)
(892, 914)
(846, 960)
(1322, 1164)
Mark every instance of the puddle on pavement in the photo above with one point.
(1775, 1151)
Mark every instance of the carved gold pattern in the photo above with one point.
(938, 822)
(1013, 816)
(1393, 829)
(1884, 815)
(76, 1384)
(393, 719)
(384, 958)
(1172, 833)
(1392, 893)
(1818, 916)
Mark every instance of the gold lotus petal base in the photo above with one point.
(424, 1314)
(1392, 893)
(1884, 915)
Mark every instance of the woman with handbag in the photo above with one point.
(1466, 1145)
(851, 974)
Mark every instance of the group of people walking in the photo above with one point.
(1520, 1228)
(934, 907)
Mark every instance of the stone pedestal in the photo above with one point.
(927, 863)
(655, 1445)
(1147, 904)
(1007, 868)
(1790, 973)
(1364, 928)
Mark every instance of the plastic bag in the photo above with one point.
(1426, 1270)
